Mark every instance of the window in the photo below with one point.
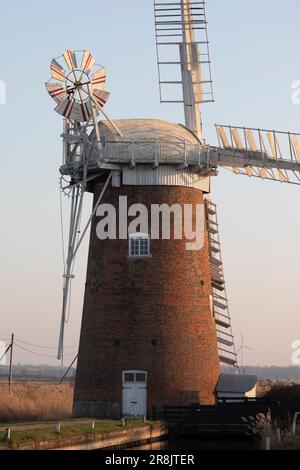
(134, 376)
(139, 244)
(140, 377)
(129, 377)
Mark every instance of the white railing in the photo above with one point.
(147, 151)
(154, 152)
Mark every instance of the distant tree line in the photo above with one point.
(45, 371)
(291, 373)
(41, 372)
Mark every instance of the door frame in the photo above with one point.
(135, 382)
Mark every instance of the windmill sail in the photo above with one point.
(260, 153)
(183, 57)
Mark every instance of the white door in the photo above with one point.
(134, 393)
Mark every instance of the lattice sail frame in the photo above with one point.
(266, 154)
(171, 20)
(183, 57)
(77, 85)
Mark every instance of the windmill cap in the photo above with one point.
(148, 129)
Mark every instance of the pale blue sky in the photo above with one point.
(255, 49)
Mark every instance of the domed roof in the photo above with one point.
(148, 141)
(147, 130)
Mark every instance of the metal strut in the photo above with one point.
(76, 211)
(78, 191)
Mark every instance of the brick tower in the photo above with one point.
(148, 335)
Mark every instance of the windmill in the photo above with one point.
(241, 350)
(154, 331)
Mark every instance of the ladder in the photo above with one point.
(219, 301)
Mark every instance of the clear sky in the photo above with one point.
(255, 49)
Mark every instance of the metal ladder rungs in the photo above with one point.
(210, 221)
(219, 297)
(216, 261)
(221, 315)
(211, 211)
(220, 305)
(217, 278)
(216, 269)
(221, 332)
(215, 242)
(226, 342)
(222, 323)
(217, 286)
(227, 360)
(209, 203)
(218, 315)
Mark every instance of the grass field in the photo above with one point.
(29, 401)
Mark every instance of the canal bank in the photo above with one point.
(134, 436)
(144, 435)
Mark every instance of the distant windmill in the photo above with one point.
(241, 350)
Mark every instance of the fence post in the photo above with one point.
(57, 427)
(294, 423)
(278, 435)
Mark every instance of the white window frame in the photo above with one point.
(138, 237)
(134, 372)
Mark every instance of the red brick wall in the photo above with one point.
(136, 301)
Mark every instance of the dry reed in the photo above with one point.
(35, 401)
